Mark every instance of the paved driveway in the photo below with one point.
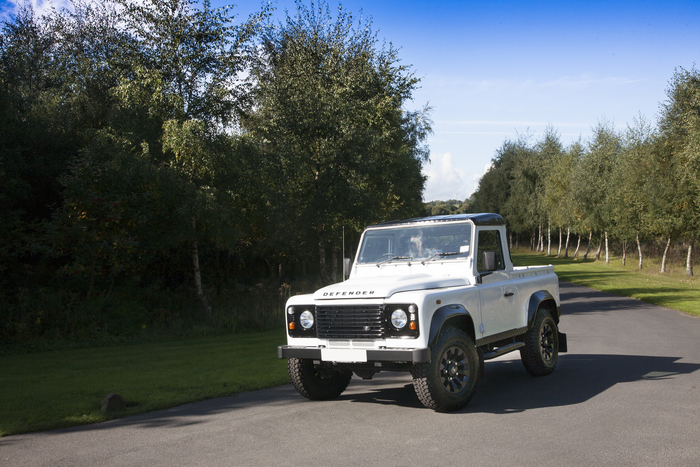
(627, 393)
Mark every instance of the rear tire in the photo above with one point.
(317, 383)
(448, 382)
(541, 351)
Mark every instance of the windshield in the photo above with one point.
(416, 243)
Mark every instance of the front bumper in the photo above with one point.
(373, 355)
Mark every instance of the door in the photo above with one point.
(497, 296)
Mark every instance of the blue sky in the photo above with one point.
(492, 70)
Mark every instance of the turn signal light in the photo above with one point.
(291, 326)
(413, 326)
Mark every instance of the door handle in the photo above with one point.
(509, 294)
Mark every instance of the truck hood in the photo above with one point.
(383, 287)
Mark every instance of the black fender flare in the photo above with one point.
(537, 299)
(456, 313)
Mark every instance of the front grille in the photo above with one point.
(350, 322)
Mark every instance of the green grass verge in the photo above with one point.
(673, 289)
(49, 390)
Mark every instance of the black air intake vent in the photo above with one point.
(350, 322)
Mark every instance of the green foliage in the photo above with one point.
(126, 165)
(441, 208)
(338, 148)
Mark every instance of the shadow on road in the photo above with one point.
(507, 388)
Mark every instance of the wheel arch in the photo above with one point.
(542, 299)
(451, 315)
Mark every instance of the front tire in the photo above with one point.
(317, 383)
(448, 382)
(541, 351)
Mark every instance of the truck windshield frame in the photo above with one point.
(431, 242)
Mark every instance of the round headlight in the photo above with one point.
(399, 318)
(306, 319)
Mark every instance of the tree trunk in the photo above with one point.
(510, 240)
(600, 246)
(624, 252)
(639, 250)
(323, 269)
(588, 248)
(198, 274)
(689, 262)
(334, 264)
(559, 249)
(566, 247)
(663, 259)
(607, 251)
(578, 245)
(549, 237)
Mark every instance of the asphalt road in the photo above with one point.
(627, 393)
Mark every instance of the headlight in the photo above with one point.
(399, 318)
(306, 319)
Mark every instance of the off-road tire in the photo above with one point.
(315, 382)
(541, 351)
(448, 382)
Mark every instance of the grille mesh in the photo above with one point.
(350, 322)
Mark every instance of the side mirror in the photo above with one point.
(489, 260)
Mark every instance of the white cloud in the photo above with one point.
(445, 179)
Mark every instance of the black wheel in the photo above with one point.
(541, 351)
(448, 381)
(317, 382)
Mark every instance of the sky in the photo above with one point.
(496, 70)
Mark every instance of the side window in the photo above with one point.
(489, 240)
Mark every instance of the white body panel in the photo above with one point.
(497, 301)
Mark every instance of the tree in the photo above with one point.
(339, 147)
(494, 186)
(523, 207)
(193, 59)
(631, 195)
(549, 150)
(593, 180)
(679, 125)
(557, 192)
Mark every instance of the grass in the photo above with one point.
(673, 289)
(49, 390)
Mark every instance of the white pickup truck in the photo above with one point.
(435, 297)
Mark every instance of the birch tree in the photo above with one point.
(340, 148)
(679, 125)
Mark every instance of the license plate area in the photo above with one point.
(344, 355)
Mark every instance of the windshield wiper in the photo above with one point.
(440, 254)
(392, 258)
